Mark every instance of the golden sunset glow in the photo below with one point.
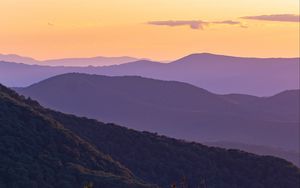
(75, 28)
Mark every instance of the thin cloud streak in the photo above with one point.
(193, 24)
(275, 17)
(229, 22)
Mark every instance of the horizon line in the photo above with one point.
(147, 58)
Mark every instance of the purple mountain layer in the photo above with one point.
(217, 73)
(80, 62)
(174, 108)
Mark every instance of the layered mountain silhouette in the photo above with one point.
(284, 104)
(174, 108)
(44, 148)
(221, 74)
(92, 61)
(17, 59)
(81, 62)
(217, 73)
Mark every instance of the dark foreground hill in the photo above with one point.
(44, 148)
(37, 151)
(174, 109)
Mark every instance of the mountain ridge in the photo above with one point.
(70, 62)
(212, 55)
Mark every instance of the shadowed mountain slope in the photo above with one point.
(37, 151)
(161, 160)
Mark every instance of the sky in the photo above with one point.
(155, 29)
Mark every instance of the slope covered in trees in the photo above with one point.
(162, 160)
(37, 151)
(44, 148)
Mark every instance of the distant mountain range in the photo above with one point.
(217, 73)
(80, 62)
(43, 148)
(174, 108)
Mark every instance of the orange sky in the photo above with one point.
(76, 28)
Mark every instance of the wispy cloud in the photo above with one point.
(275, 17)
(229, 22)
(193, 24)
